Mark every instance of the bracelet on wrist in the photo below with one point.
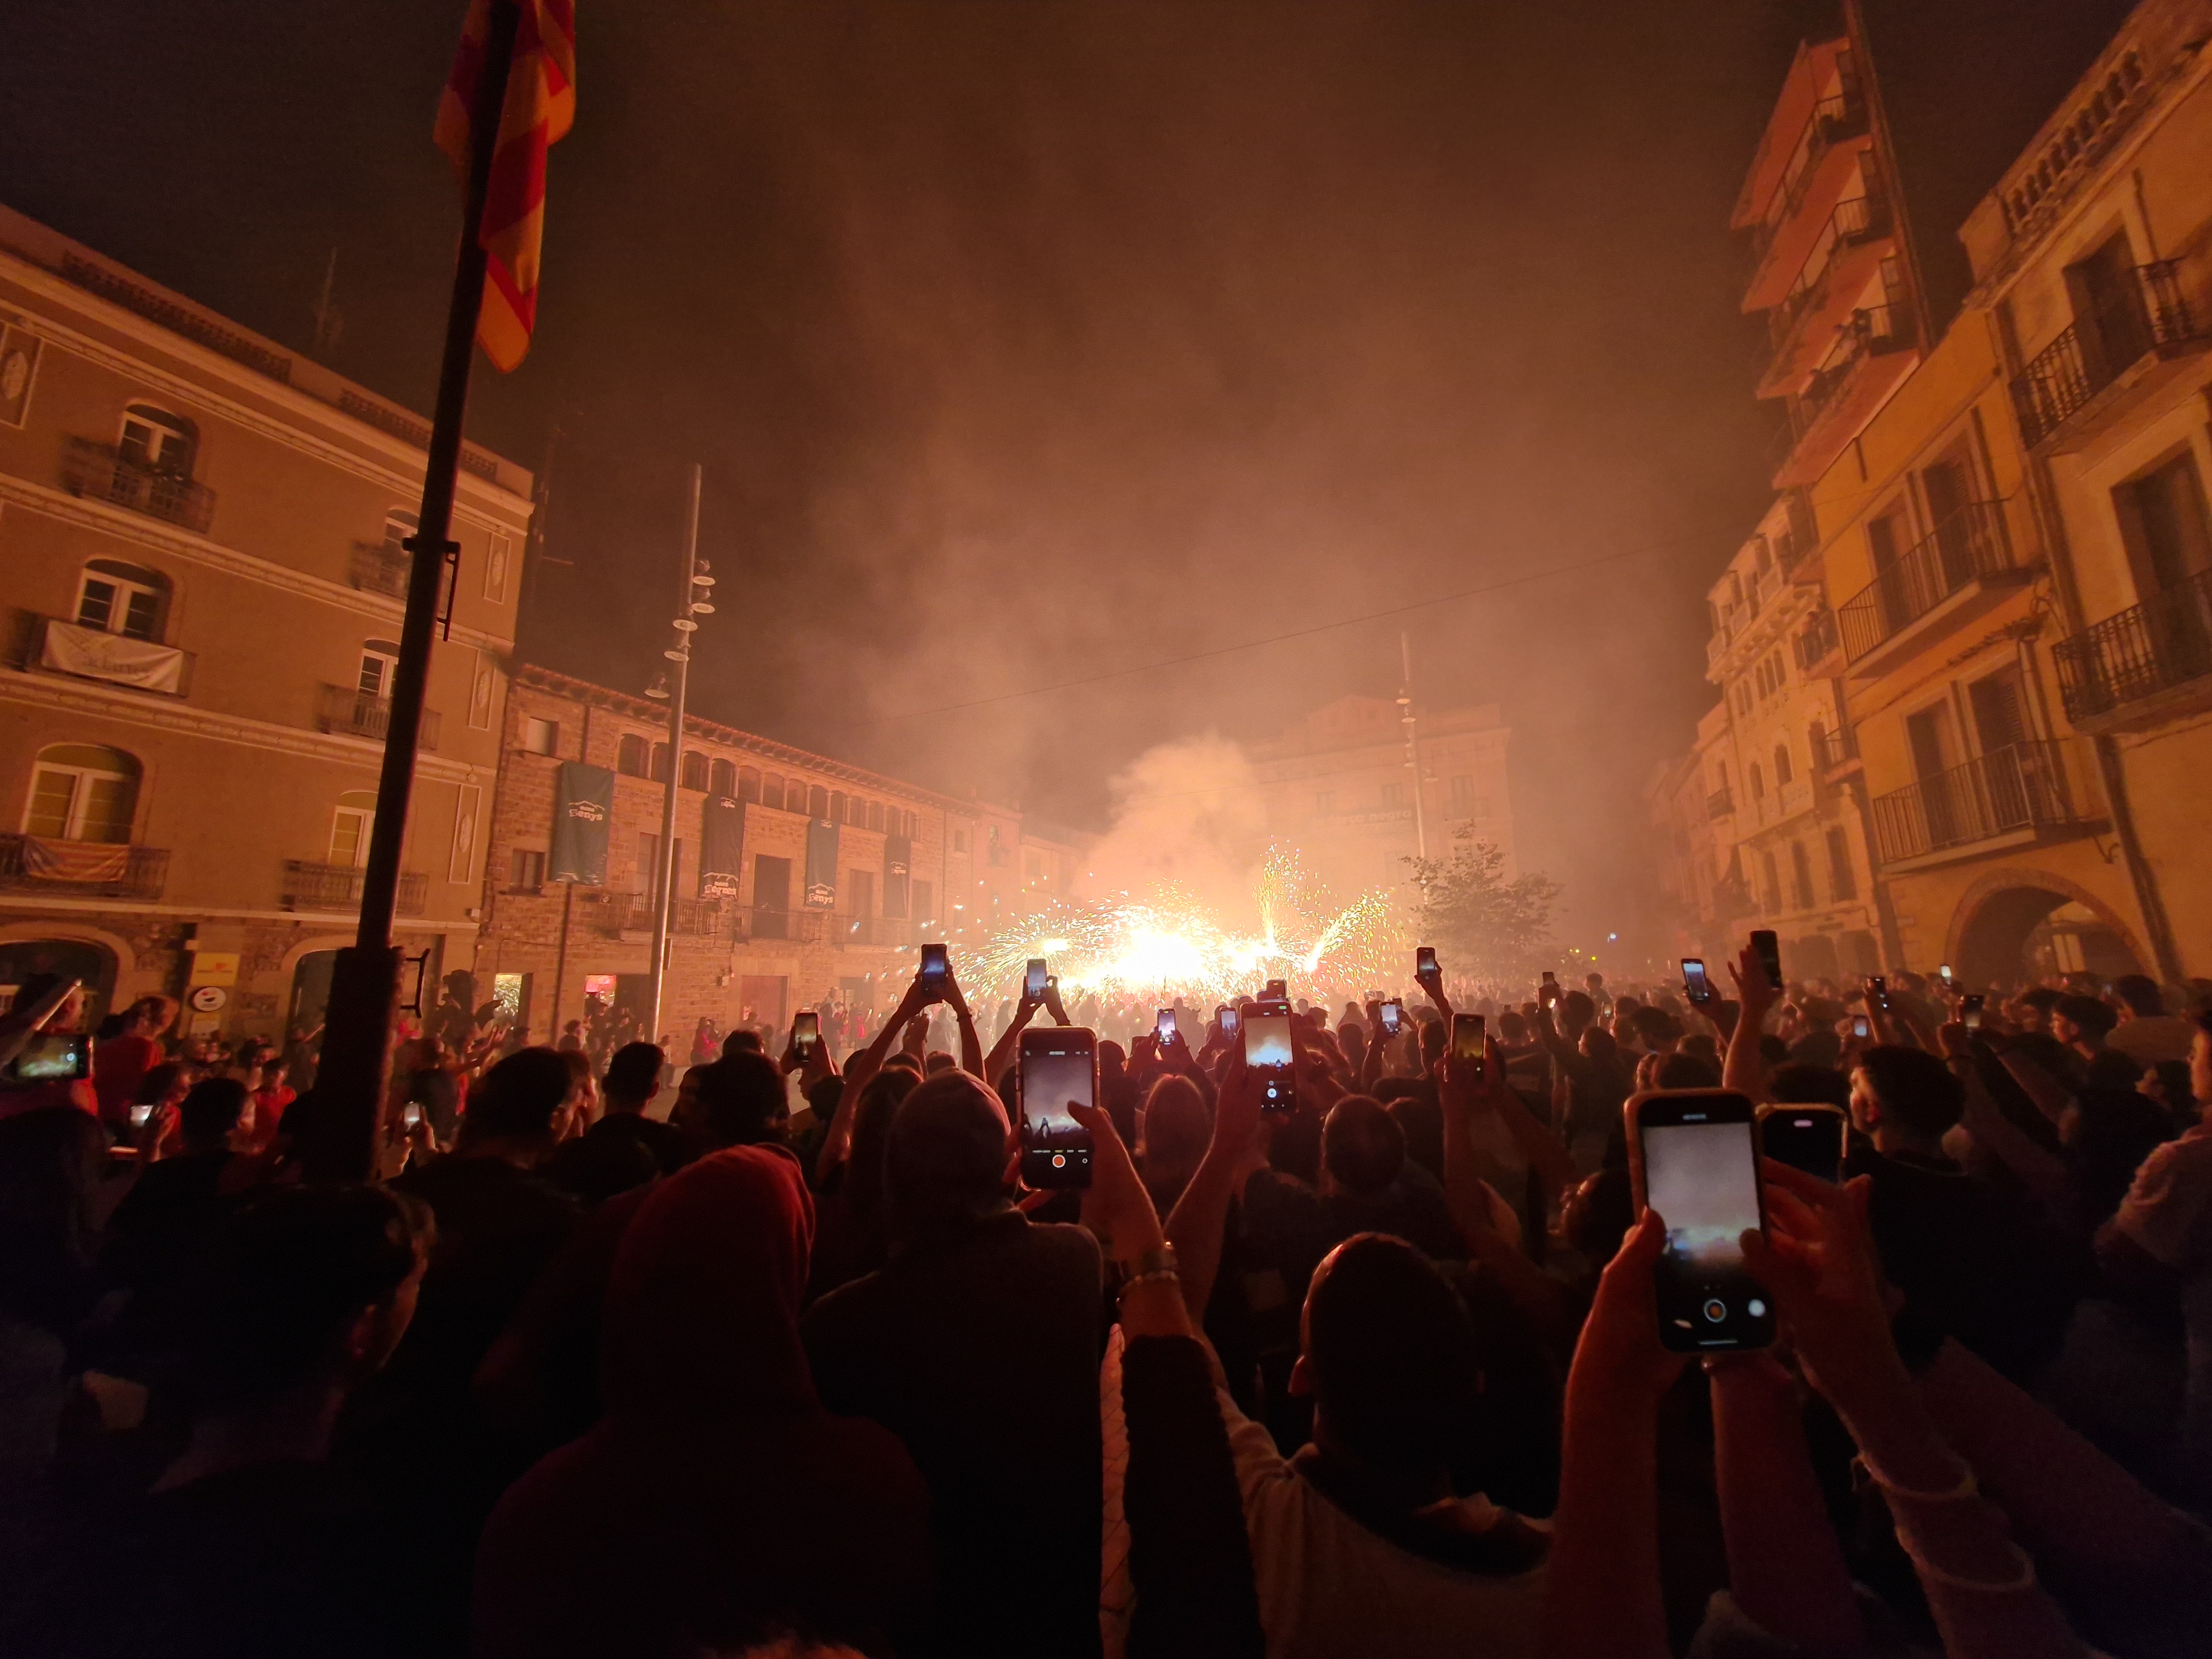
(1888, 1488)
(1931, 1574)
(1160, 1258)
(1158, 1276)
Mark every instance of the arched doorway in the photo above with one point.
(75, 958)
(2029, 927)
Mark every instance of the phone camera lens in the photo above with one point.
(1716, 1309)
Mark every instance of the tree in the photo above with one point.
(1485, 925)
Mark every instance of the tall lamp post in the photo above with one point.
(696, 601)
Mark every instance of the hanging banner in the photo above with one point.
(822, 863)
(583, 810)
(721, 847)
(898, 867)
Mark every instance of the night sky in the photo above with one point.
(1029, 343)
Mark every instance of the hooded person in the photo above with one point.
(691, 1517)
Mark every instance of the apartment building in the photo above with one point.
(200, 563)
(1359, 793)
(2093, 258)
(799, 879)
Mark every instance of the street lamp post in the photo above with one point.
(696, 601)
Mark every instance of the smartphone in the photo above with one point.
(1164, 1027)
(1424, 961)
(1693, 1156)
(1860, 1027)
(1393, 1014)
(61, 1059)
(1467, 1041)
(1278, 990)
(1232, 1020)
(1944, 972)
(1970, 1010)
(1806, 1137)
(1033, 981)
(1878, 992)
(805, 1031)
(1769, 952)
(142, 1115)
(1059, 1064)
(1548, 991)
(1696, 985)
(1267, 1054)
(933, 962)
(410, 1114)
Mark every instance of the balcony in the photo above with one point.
(2081, 380)
(758, 922)
(81, 869)
(1822, 166)
(2120, 672)
(337, 887)
(1832, 750)
(100, 472)
(1953, 576)
(1850, 247)
(2026, 792)
(630, 915)
(881, 931)
(93, 654)
(1719, 805)
(379, 567)
(1872, 353)
(1818, 645)
(351, 713)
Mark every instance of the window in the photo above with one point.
(1394, 795)
(529, 871)
(875, 815)
(399, 524)
(1801, 876)
(633, 758)
(1771, 883)
(749, 783)
(128, 599)
(379, 661)
(1462, 797)
(722, 780)
(1841, 883)
(82, 792)
(925, 902)
(2163, 526)
(772, 791)
(158, 441)
(1782, 768)
(646, 878)
(818, 802)
(836, 811)
(697, 772)
(350, 827)
(856, 813)
(959, 840)
(1758, 781)
(660, 763)
(541, 737)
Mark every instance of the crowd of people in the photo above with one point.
(773, 1352)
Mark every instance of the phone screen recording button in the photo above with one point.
(1716, 1309)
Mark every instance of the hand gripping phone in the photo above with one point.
(1696, 984)
(1268, 1054)
(805, 1031)
(1694, 1157)
(1033, 980)
(64, 1057)
(1424, 961)
(1058, 1064)
(1164, 1027)
(1466, 1041)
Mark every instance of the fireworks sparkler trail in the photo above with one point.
(1171, 945)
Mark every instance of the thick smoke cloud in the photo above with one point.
(1187, 816)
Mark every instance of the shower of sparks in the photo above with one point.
(1168, 944)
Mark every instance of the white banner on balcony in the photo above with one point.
(100, 656)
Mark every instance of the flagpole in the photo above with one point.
(664, 900)
(350, 1080)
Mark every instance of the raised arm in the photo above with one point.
(1745, 1070)
(1542, 1299)
(1200, 1220)
(1023, 1013)
(860, 1070)
(971, 1046)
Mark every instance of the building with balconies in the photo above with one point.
(197, 655)
(2091, 266)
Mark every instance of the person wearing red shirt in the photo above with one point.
(120, 1062)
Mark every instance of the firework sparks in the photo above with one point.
(1171, 945)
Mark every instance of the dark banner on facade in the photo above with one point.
(583, 808)
(898, 866)
(822, 863)
(721, 847)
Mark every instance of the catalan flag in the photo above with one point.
(539, 107)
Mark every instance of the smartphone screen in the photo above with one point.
(62, 1058)
(1945, 971)
(1059, 1064)
(1696, 1162)
(1033, 980)
(1466, 1039)
(1391, 1014)
(1165, 1026)
(933, 962)
(1971, 1010)
(1424, 961)
(1268, 1055)
(1769, 952)
(1807, 1138)
(1695, 985)
(806, 1030)
(1859, 1026)
(141, 1115)
(1278, 990)
(410, 1114)
(1232, 1021)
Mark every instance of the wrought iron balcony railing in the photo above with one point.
(364, 714)
(1871, 332)
(1840, 116)
(2025, 786)
(309, 887)
(1719, 805)
(1816, 642)
(35, 864)
(2163, 642)
(1830, 749)
(2151, 315)
(1970, 544)
(101, 472)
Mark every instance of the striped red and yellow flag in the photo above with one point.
(540, 105)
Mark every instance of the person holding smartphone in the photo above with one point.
(47, 1010)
